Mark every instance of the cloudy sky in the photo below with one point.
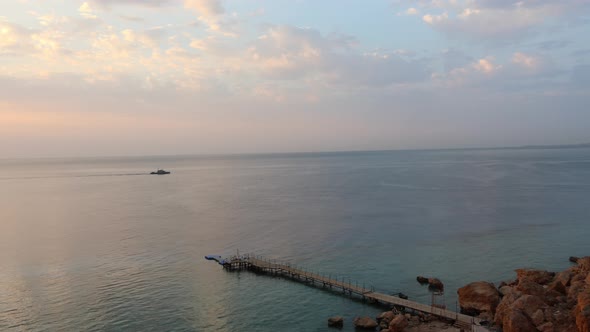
(134, 77)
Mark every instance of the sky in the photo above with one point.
(162, 77)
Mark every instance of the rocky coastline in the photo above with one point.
(535, 301)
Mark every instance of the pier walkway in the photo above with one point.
(261, 265)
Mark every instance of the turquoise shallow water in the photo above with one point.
(96, 245)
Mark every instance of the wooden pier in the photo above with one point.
(262, 265)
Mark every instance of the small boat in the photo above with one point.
(160, 172)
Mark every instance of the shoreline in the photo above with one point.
(535, 301)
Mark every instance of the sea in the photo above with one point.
(98, 244)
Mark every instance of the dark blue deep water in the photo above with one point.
(95, 245)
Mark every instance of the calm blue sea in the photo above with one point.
(97, 245)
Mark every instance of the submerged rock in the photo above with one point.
(336, 321)
(422, 280)
(435, 284)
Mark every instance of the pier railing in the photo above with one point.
(261, 264)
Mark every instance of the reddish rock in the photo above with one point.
(584, 263)
(386, 316)
(531, 288)
(538, 318)
(516, 321)
(529, 304)
(537, 276)
(582, 311)
(366, 323)
(422, 280)
(435, 284)
(546, 327)
(505, 307)
(478, 297)
(564, 277)
(557, 286)
(336, 321)
(574, 259)
(576, 288)
(398, 324)
(505, 290)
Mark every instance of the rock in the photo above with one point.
(529, 304)
(531, 288)
(336, 321)
(537, 276)
(504, 308)
(576, 287)
(516, 321)
(486, 316)
(402, 296)
(366, 323)
(538, 318)
(574, 259)
(546, 327)
(564, 277)
(435, 284)
(557, 286)
(422, 280)
(386, 316)
(398, 324)
(582, 311)
(505, 290)
(478, 297)
(584, 263)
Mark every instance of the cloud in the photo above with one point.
(520, 73)
(16, 40)
(213, 15)
(290, 53)
(498, 20)
(144, 3)
(87, 11)
(206, 8)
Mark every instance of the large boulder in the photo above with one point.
(398, 323)
(529, 304)
(336, 321)
(516, 321)
(505, 307)
(478, 297)
(365, 323)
